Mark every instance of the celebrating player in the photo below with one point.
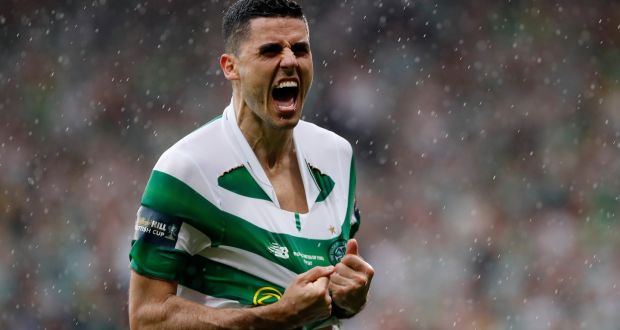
(256, 208)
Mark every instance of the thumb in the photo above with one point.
(316, 273)
(352, 247)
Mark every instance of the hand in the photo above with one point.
(307, 299)
(350, 281)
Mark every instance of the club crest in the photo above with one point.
(336, 251)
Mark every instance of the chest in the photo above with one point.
(289, 190)
(296, 241)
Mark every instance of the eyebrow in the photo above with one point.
(270, 47)
(276, 47)
(303, 45)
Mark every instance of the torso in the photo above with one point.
(243, 245)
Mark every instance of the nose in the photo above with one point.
(289, 60)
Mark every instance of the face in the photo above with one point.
(272, 70)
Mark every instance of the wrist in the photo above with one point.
(284, 314)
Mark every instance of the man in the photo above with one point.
(256, 208)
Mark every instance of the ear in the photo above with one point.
(228, 63)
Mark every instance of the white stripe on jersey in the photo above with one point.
(250, 263)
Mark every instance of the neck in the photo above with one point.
(271, 145)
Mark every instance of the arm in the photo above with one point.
(153, 304)
(350, 282)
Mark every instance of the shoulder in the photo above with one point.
(320, 141)
(195, 151)
(325, 151)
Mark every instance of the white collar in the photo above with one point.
(250, 161)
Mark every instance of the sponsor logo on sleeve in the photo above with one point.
(157, 228)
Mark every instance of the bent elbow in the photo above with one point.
(139, 317)
(153, 315)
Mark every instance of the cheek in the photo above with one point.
(255, 76)
(309, 71)
(251, 81)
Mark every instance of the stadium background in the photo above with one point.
(487, 135)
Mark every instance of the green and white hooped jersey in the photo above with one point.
(211, 222)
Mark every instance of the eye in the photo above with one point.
(301, 49)
(270, 50)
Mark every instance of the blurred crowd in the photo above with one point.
(486, 133)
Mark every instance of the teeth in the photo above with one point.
(287, 83)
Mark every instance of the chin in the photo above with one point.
(287, 123)
(285, 120)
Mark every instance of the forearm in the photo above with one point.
(179, 313)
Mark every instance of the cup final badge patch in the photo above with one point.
(157, 228)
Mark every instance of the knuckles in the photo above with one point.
(322, 292)
(337, 291)
(349, 259)
(370, 272)
(328, 300)
(353, 261)
(360, 281)
(339, 267)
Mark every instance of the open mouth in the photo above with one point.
(285, 96)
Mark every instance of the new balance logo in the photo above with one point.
(278, 250)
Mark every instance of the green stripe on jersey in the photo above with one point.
(297, 222)
(221, 281)
(240, 181)
(346, 225)
(156, 260)
(325, 183)
(166, 194)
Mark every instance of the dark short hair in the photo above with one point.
(236, 24)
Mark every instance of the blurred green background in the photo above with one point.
(487, 136)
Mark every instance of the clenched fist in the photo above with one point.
(307, 299)
(350, 281)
